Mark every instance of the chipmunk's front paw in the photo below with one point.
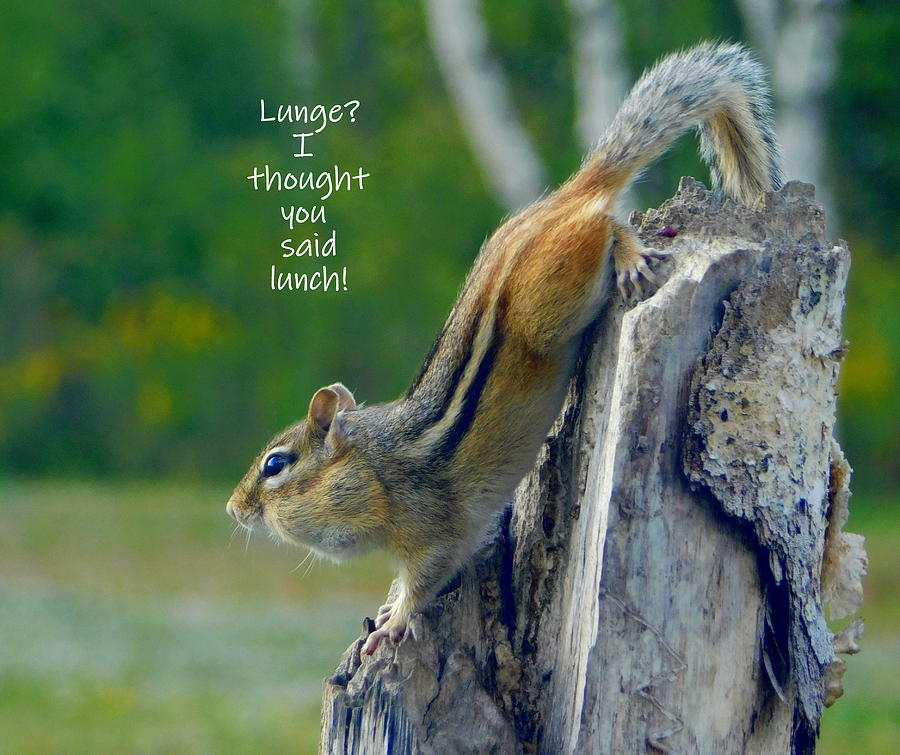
(391, 622)
(633, 272)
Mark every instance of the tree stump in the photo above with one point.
(658, 583)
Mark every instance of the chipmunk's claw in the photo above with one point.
(388, 624)
(636, 273)
(395, 632)
(384, 613)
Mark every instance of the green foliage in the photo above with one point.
(865, 129)
(137, 332)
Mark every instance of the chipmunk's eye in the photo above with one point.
(276, 462)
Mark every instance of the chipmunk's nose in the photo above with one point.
(229, 509)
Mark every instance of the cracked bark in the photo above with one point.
(658, 582)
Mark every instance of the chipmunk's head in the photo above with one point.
(310, 487)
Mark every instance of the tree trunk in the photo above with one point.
(657, 584)
(478, 86)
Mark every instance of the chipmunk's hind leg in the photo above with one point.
(560, 282)
(635, 277)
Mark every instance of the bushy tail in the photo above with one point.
(719, 88)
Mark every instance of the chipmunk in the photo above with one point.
(424, 476)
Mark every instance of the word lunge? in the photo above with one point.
(318, 115)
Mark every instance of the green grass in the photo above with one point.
(131, 622)
(867, 718)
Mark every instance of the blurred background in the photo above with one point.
(144, 359)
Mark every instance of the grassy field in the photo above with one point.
(131, 621)
(867, 718)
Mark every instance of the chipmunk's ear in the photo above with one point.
(345, 398)
(326, 403)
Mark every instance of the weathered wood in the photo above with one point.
(657, 584)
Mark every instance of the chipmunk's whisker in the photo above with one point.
(306, 558)
(312, 563)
